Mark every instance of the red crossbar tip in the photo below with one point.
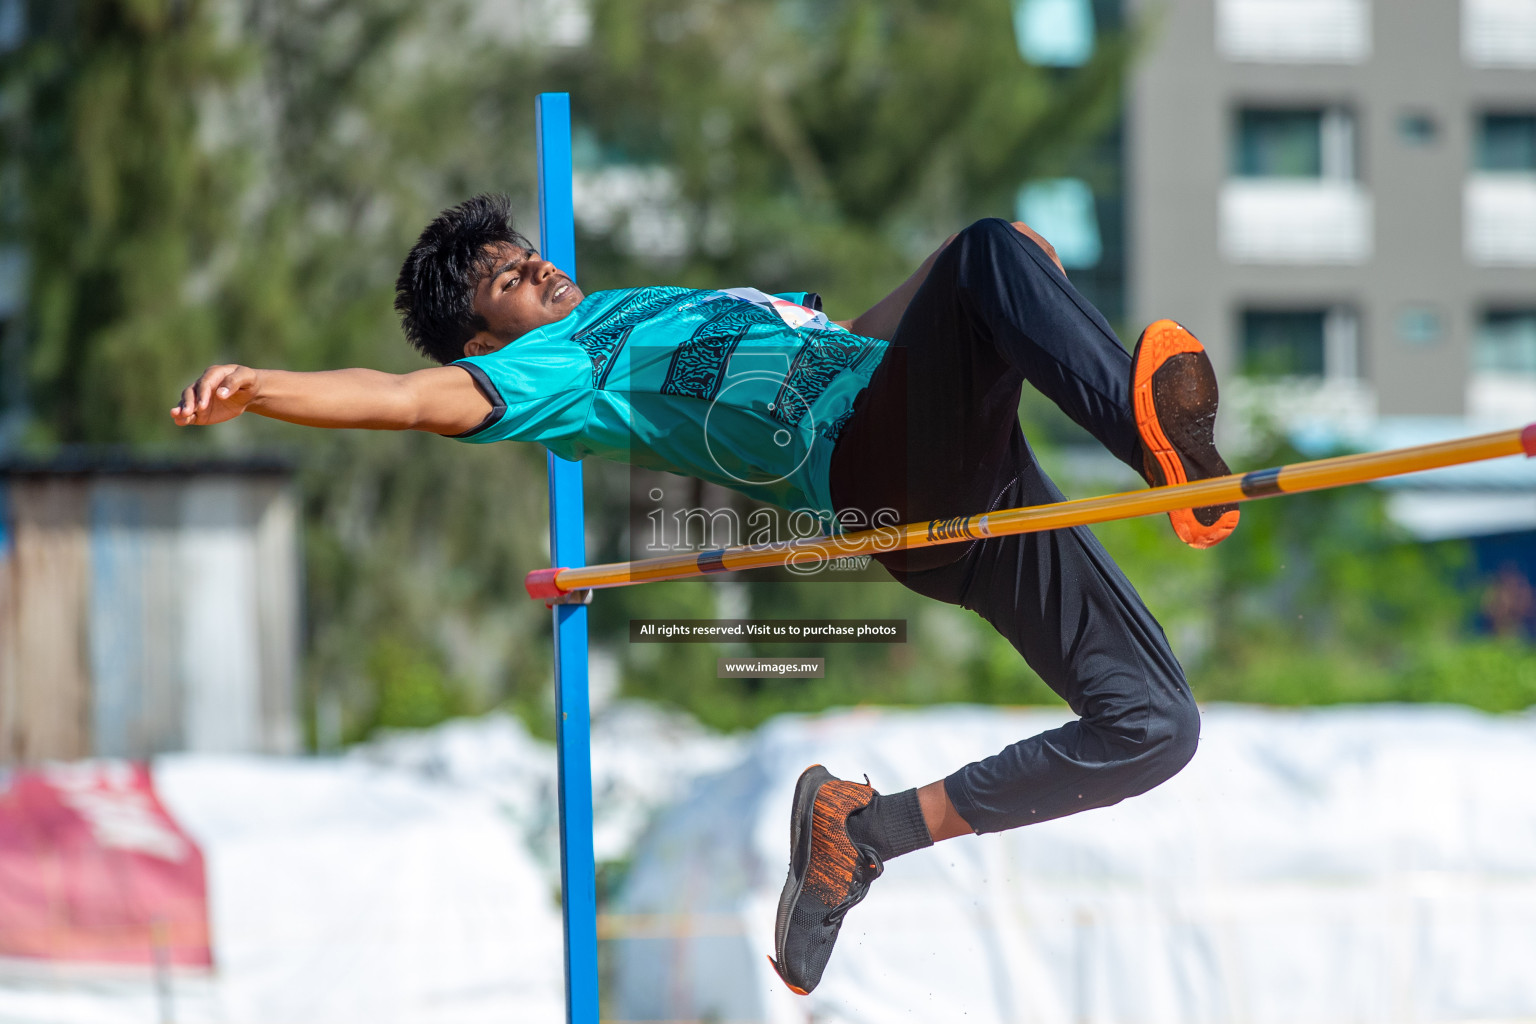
(1528, 441)
(540, 584)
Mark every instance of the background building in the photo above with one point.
(1339, 197)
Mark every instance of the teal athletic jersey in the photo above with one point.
(737, 387)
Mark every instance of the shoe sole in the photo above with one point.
(802, 811)
(806, 788)
(1161, 343)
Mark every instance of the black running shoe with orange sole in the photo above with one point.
(828, 874)
(1173, 391)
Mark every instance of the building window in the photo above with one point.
(1506, 143)
(1292, 197)
(1319, 342)
(1506, 342)
(1062, 211)
(1294, 143)
(1499, 33)
(1283, 343)
(1502, 386)
(1500, 203)
(1294, 31)
(1054, 33)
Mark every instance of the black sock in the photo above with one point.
(890, 825)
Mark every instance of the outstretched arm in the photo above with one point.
(880, 320)
(441, 400)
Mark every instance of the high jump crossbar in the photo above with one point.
(561, 583)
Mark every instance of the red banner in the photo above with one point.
(94, 869)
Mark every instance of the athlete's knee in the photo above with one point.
(1149, 739)
(1174, 737)
(988, 230)
(994, 242)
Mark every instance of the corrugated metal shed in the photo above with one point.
(147, 607)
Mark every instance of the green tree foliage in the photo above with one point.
(204, 181)
(369, 119)
(201, 180)
(121, 207)
(828, 145)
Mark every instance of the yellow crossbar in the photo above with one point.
(554, 584)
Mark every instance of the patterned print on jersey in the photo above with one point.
(698, 364)
(603, 339)
(817, 362)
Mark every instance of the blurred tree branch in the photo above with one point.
(216, 180)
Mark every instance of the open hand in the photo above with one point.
(220, 394)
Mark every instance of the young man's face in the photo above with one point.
(520, 293)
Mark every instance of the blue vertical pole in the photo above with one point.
(567, 527)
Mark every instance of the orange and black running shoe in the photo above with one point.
(828, 874)
(1173, 392)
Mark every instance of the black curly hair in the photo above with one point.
(435, 292)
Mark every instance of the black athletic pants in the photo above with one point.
(936, 435)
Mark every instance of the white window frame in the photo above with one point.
(1294, 31)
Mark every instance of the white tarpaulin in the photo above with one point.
(415, 880)
(337, 893)
(643, 757)
(1354, 865)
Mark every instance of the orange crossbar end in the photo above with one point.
(540, 584)
(1528, 441)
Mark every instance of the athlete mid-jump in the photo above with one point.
(911, 406)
